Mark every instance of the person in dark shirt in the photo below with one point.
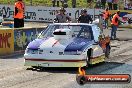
(89, 2)
(84, 17)
(109, 2)
(103, 3)
(62, 17)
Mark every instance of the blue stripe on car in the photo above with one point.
(78, 44)
(36, 43)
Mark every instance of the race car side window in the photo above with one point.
(41, 35)
(48, 32)
(85, 32)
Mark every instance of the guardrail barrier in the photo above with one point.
(16, 39)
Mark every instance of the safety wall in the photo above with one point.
(16, 40)
(22, 37)
(6, 41)
(125, 16)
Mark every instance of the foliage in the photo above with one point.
(79, 3)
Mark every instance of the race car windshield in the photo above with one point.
(80, 31)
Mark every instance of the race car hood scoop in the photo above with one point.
(62, 34)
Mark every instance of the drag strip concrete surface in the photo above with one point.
(13, 74)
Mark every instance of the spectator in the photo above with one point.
(98, 4)
(101, 22)
(109, 4)
(115, 4)
(73, 3)
(19, 14)
(89, 2)
(126, 5)
(106, 17)
(84, 17)
(62, 17)
(114, 24)
(103, 3)
(58, 3)
(65, 5)
(53, 3)
(62, 2)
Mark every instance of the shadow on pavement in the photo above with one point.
(102, 67)
(123, 39)
(120, 30)
(12, 56)
(70, 70)
(95, 69)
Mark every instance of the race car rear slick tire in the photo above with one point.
(88, 58)
(107, 52)
(87, 62)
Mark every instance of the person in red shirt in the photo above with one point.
(19, 14)
(114, 25)
(106, 17)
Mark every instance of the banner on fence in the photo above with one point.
(128, 4)
(22, 37)
(6, 41)
(47, 14)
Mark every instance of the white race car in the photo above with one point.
(67, 45)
